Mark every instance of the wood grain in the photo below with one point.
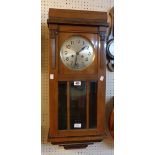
(68, 105)
(77, 17)
(91, 25)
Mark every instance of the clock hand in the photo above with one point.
(75, 60)
(81, 49)
(77, 53)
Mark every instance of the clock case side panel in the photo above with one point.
(102, 77)
(53, 77)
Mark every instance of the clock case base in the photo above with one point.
(75, 142)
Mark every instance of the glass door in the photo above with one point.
(77, 105)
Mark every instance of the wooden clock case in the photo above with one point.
(91, 25)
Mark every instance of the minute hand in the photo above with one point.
(81, 49)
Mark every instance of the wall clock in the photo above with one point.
(110, 42)
(77, 74)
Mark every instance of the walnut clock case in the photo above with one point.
(77, 76)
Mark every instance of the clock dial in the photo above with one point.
(111, 48)
(77, 53)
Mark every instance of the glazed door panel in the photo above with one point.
(77, 108)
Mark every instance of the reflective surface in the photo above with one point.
(78, 105)
(78, 101)
(62, 105)
(93, 104)
(77, 53)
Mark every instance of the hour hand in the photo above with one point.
(75, 61)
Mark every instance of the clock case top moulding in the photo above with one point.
(82, 22)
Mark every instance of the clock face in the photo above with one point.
(111, 48)
(77, 53)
